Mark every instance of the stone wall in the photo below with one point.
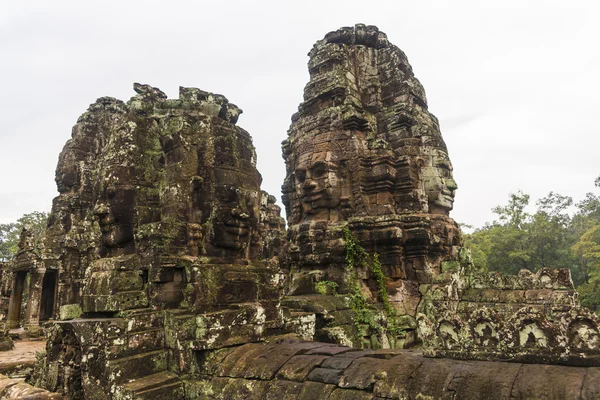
(530, 318)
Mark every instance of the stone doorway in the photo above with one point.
(49, 285)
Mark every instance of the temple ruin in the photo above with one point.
(165, 270)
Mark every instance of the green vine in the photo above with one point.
(327, 287)
(357, 256)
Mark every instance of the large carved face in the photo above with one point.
(115, 211)
(236, 216)
(438, 181)
(317, 184)
(66, 178)
(67, 174)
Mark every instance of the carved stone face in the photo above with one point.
(235, 217)
(317, 184)
(438, 182)
(67, 171)
(66, 178)
(115, 211)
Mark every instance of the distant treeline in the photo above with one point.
(10, 233)
(554, 236)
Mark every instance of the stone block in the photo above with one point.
(315, 390)
(549, 382)
(298, 367)
(70, 311)
(326, 375)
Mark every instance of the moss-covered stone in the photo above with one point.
(70, 311)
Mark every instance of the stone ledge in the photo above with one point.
(397, 374)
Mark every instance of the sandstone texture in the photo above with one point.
(297, 370)
(165, 271)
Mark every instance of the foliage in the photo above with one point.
(357, 256)
(520, 240)
(587, 249)
(553, 236)
(326, 287)
(10, 233)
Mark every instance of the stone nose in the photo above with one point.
(100, 209)
(451, 184)
(240, 213)
(309, 185)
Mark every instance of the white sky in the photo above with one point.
(515, 84)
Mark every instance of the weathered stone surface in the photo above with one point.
(340, 394)
(235, 389)
(364, 154)
(405, 374)
(298, 367)
(5, 293)
(591, 385)
(534, 381)
(260, 362)
(547, 326)
(272, 226)
(17, 389)
(283, 390)
(150, 190)
(314, 390)
(162, 256)
(160, 217)
(326, 375)
(363, 151)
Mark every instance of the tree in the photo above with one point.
(588, 212)
(550, 237)
(513, 214)
(509, 250)
(587, 249)
(520, 240)
(9, 233)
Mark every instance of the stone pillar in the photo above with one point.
(32, 314)
(16, 298)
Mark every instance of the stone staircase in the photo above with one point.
(140, 369)
(166, 385)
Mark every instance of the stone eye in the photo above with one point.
(233, 194)
(300, 176)
(319, 170)
(444, 170)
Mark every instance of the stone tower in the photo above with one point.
(364, 154)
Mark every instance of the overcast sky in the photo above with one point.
(515, 84)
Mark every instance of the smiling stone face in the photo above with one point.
(317, 184)
(236, 216)
(115, 211)
(438, 182)
(66, 177)
(228, 193)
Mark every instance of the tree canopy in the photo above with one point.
(9, 233)
(559, 234)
